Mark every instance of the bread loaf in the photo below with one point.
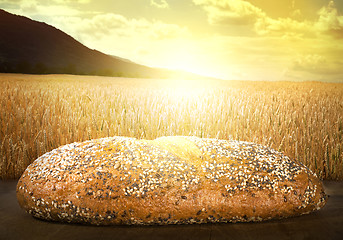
(169, 180)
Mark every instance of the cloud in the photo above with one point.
(139, 40)
(96, 25)
(296, 14)
(283, 27)
(247, 42)
(42, 2)
(309, 62)
(230, 11)
(317, 64)
(117, 25)
(242, 12)
(9, 1)
(159, 3)
(71, 1)
(42, 11)
(330, 22)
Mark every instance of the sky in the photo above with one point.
(292, 40)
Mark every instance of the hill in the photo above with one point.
(28, 46)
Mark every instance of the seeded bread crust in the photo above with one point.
(169, 180)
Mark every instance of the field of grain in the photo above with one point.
(40, 113)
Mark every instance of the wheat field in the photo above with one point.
(40, 113)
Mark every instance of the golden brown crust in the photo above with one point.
(170, 180)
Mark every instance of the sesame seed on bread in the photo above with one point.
(169, 180)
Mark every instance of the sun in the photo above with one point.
(185, 57)
(182, 59)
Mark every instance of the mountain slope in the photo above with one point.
(28, 46)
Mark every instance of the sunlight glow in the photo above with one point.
(185, 57)
(231, 40)
(186, 89)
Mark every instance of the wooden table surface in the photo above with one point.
(324, 224)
